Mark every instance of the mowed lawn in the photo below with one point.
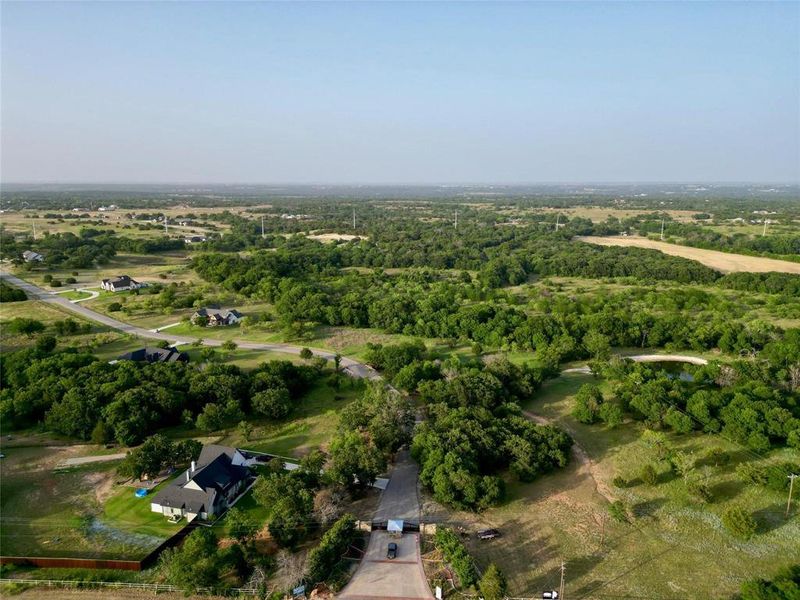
(673, 546)
(125, 511)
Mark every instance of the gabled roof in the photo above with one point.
(120, 281)
(218, 313)
(155, 355)
(214, 475)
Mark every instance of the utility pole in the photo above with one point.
(354, 217)
(558, 220)
(166, 229)
(455, 218)
(262, 226)
(662, 230)
(791, 477)
(34, 228)
(763, 233)
(561, 587)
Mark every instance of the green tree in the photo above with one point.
(195, 564)
(355, 460)
(306, 354)
(242, 528)
(493, 584)
(24, 326)
(211, 418)
(587, 403)
(274, 403)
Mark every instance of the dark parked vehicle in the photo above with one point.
(392, 552)
(488, 534)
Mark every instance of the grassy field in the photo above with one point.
(124, 511)
(722, 261)
(673, 546)
(146, 268)
(310, 426)
(47, 512)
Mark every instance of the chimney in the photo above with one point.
(193, 466)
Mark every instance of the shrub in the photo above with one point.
(739, 522)
(323, 559)
(493, 584)
(55, 283)
(620, 482)
(618, 511)
(70, 280)
(700, 490)
(47, 278)
(114, 307)
(455, 553)
(649, 474)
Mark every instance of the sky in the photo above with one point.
(424, 93)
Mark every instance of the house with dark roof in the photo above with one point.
(31, 256)
(208, 487)
(151, 355)
(217, 316)
(120, 283)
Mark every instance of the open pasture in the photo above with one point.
(722, 261)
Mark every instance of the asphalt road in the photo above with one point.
(400, 499)
(350, 366)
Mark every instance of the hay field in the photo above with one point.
(722, 261)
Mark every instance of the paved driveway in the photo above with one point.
(379, 577)
(402, 577)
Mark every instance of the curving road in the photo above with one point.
(350, 366)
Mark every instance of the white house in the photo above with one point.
(120, 284)
(207, 487)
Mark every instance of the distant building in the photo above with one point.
(107, 208)
(195, 239)
(31, 256)
(151, 355)
(208, 487)
(120, 284)
(217, 316)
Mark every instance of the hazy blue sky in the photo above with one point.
(400, 92)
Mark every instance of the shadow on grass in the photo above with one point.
(771, 517)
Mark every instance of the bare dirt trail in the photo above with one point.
(722, 261)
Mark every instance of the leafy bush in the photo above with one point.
(784, 586)
(455, 553)
(114, 307)
(649, 474)
(618, 511)
(739, 522)
(323, 560)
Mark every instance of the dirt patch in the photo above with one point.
(102, 483)
(722, 261)
(336, 237)
(587, 465)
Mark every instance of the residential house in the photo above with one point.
(218, 316)
(208, 487)
(120, 284)
(31, 256)
(151, 355)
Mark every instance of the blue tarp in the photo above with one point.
(141, 493)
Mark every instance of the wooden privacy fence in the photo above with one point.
(100, 563)
(153, 587)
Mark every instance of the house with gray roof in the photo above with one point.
(208, 487)
(216, 316)
(120, 283)
(147, 354)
